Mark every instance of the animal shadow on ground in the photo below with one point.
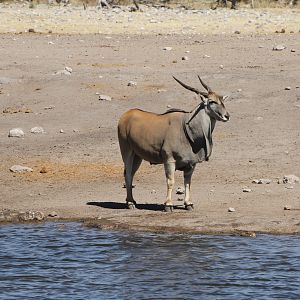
(142, 206)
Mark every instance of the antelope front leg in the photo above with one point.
(187, 187)
(170, 172)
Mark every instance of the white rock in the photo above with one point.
(68, 69)
(221, 67)
(161, 90)
(287, 207)
(167, 48)
(49, 107)
(61, 131)
(53, 214)
(289, 187)
(104, 98)
(16, 132)
(20, 169)
(291, 179)
(231, 209)
(246, 190)
(262, 181)
(132, 83)
(37, 130)
(184, 58)
(279, 47)
(288, 88)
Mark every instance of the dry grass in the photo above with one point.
(192, 4)
(50, 171)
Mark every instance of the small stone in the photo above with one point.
(169, 106)
(16, 132)
(246, 190)
(20, 169)
(104, 98)
(31, 216)
(279, 47)
(53, 214)
(37, 130)
(237, 32)
(231, 209)
(290, 179)
(289, 187)
(288, 88)
(239, 90)
(206, 56)
(49, 107)
(61, 131)
(68, 69)
(31, 30)
(132, 83)
(43, 170)
(287, 207)
(50, 43)
(39, 216)
(180, 191)
(262, 181)
(221, 67)
(293, 50)
(184, 58)
(167, 48)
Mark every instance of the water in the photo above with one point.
(52, 261)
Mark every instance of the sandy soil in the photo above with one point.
(83, 169)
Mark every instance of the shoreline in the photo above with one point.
(103, 223)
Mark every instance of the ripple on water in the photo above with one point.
(49, 261)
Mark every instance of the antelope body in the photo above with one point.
(177, 139)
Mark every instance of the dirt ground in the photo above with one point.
(82, 175)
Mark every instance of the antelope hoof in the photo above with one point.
(189, 207)
(130, 205)
(168, 208)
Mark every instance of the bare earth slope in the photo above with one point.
(81, 167)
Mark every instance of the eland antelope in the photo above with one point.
(177, 139)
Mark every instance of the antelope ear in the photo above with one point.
(225, 97)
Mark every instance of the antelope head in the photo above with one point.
(214, 103)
